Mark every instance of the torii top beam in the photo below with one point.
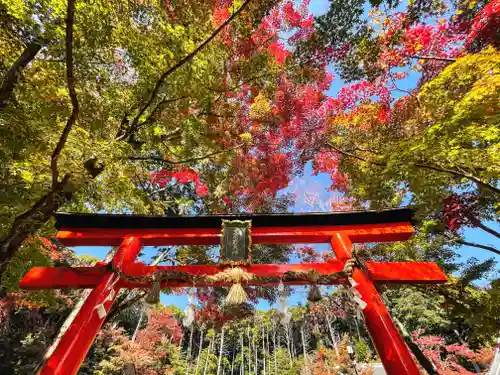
(109, 230)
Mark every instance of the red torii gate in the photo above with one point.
(131, 232)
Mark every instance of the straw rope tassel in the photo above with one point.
(314, 294)
(237, 275)
(153, 296)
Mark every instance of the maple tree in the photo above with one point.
(424, 146)
(395, 157)
(367, 46)
(268, 118)
(485, 26)
(114, 134)
(447, 357)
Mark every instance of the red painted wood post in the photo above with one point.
(68, 354)
(390, 346)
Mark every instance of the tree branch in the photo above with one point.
(402, 90)
(123, 304)
(435, 168)
(162, 257)
(479, 246)
(187, 161)
(171, 135)
(354, 156)
(459, 174)
(417, 352)
(180, 63)
(356, 148)
(157, 108)
(12, 75)
(215, 115)
(493, 232)
(71, 90)
(28, 222)
(434, 58)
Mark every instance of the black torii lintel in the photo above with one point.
(84, 220)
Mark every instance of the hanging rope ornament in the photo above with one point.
(356, 296)
(189, 311)
(236, 276)
(286, 316)
(153, 297)
(314, 294)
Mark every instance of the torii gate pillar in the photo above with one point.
(390, 346)
(66, 356)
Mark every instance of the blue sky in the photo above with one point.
(319, 185)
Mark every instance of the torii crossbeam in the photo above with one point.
(132, 232)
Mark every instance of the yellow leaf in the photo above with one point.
(260, 107)
(62, 91)
(27, 176)
(246, 137)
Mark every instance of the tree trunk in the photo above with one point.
(419, 355)
(357, 327)
(279, 341)
(287, 334)
(15, 71)
(249, 352)
(232, 358)
(477, 370)
(274, 351)
(209, 350)
(27, 223)
(220, 350)
(242, 371)
(332, 335)
(256, 364)
(268, 352)
(180, 342)
(122, 303)
(304, 348)
(263, 350)
(188, 353)
(199, 350)
(138, 324)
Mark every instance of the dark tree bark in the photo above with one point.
(419, 355)
(13, 74)
(32, 220)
